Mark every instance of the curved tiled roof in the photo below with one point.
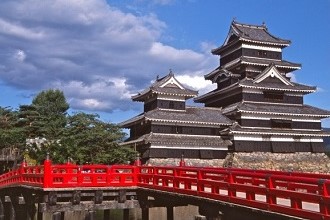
(159, 88)
(251, 33)
(296, 87)
(262, 62)
(257, 33)
(181, 140)
(192, 115)
(265, 108)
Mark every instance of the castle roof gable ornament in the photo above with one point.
(167, 85)
(271, 71)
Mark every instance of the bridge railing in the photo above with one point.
(298, 194)
(71, 175)
(291, 194)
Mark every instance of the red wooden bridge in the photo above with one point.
(290, 194)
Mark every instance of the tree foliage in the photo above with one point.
(45, 127)
(87, 139)
(11, 136)
(52, 107)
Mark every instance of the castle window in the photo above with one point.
(277, 123)
(273, 96)
(176, 130)
(171, 105)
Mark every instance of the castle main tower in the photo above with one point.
(255, 91)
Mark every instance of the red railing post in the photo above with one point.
(176, 182)
(231, 181)
(22, 170)
(250, 195)
(182, 163)
(271, 199)
(200, 185)
(136, 173)
(79, 176)
(295, 202)
(48, 179)
(68, 172)
(323, 192)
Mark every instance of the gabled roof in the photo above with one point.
(191, 116)
(218, 72)
(262, 62)
(264, 85)
(271, 71)
(167, 85)
(271, 109)
(253, 34)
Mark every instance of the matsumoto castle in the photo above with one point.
(255, 107)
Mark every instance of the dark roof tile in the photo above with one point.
(265, 108)
(157, 87)
(277, 86)
(192, 115)
(181, 140)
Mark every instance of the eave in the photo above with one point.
(186, 122)
(289, 133)
(278, 89)
(286, 114)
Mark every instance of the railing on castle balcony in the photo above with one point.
(297, 194)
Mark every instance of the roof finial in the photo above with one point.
(157, 77)
(234, 19)
(171, 73)
(264, 24)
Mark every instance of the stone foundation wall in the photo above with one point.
(299, 162)
(188, 162)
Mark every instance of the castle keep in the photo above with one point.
(256, 107)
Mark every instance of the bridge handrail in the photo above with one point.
(253, 188)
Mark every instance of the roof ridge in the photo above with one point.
(263, 26)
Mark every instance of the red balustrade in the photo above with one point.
(297, 194)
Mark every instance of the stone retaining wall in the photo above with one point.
(299, 162)
(188, 162)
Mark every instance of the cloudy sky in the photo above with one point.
(100, 53)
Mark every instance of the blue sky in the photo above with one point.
(102, 52)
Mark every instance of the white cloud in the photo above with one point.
(196, 83)
(20, 55)
(16, 30)
(292, 76)
(98, 55)
(319, 89)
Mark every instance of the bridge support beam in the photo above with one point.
(106, 214)
(145, 213)
(169, 212)
(58, 216)
(125, 214)
(2, 211)
(9, 209)
(211, 212)
(29, 206)
(19, 206)
(90, 215)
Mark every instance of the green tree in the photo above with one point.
(11, 136)
(87, 139)
(52, 107)
(30, 120)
